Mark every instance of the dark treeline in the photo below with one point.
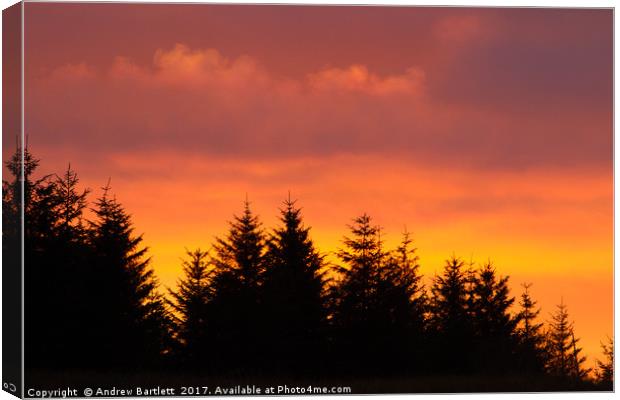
(266, 301)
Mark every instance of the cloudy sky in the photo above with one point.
(487, 133)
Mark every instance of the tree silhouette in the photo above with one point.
(189, 303)
(362, 257)
(450, 307)
(358, 317)
(564, 357)
(379, 303)
(68, 257)
(39, 221)
(531, 351)
(56, 250)
(234, 308)
(605, 368)
(577, 360)
(293, 298)
(130, 319)
(264, 305)
(493, 323)
(403, 298)
(71, 206)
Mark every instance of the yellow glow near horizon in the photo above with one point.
(551, 229)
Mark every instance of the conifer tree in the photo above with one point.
(403, 270)
(293, 298)
(189, 305)
(578, 371)
(241, 252)
(564, 356)
(359, 320)
(38, 208)
(531, 337)
(495, 327)
(130, 319)
(41, 202)
(38, 309)
(362, 257)
(450, 313)
(56, 259)
(71, 205)
(68, 254)
(234, 308)
(605, 368)
(380, 306)
(404, 298)
(12, 190)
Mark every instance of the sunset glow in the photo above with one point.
(486, 133)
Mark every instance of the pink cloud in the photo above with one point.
(203, 102)
(357, 78)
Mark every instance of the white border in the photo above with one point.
(471, 3)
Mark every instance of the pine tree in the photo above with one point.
(404, 271)
(12, 190)
(293, 298)
(577, 370)
(531, 352)
(131, 320)
(362, 257)
(404, 298)
(68, 256)
(55, 260)
(450, 314)
(605, 368)
(241, 253)
(564, 357)
(380, 302)
(494, 325)
(234, 308)
(72, 204)
(189, 304)
(40, 218)
(359, 320)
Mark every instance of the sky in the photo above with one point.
(486, 133)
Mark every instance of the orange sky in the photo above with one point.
(487, 132)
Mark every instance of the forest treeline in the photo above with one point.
(267, 301)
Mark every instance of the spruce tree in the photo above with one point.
(189, 305)
(379, 307)
(564, 356)
(293, 298)
(577, 371)
(450, 315)
(71, 206)
(495, 327)
(131, 321)
(531, 353)
(403, 270)
(38, 208)
(362, 257)
(56, 249)
(234, 308)
(605, 368)
(44, 343)
(403, 297)
(359, 321)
